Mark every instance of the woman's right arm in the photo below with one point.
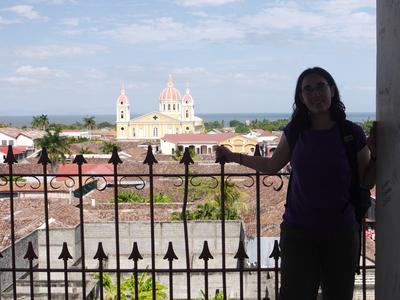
(266, 165)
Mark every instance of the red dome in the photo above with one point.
(170, 93)
(122, 98)
(187, 98)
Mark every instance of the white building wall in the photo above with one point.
(6, 140)
(23, 140)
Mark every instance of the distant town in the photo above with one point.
(167, 131)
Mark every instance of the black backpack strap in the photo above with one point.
(291, 137)
(349, 142)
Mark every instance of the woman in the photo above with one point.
(319, 242)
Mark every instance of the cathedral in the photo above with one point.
(175, 115)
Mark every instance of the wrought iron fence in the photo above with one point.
(46, 180)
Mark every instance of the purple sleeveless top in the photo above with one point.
(318, 199)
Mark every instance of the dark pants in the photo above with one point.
(312, 258)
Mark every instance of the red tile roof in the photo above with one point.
(197, 138)
(16, 149)
(90, 168)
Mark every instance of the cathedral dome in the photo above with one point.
(170, 92)
(187, 98)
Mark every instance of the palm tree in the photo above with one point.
(57, 146)
(41, 122)
(108, 146)
(90, 124)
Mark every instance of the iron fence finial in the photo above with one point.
(115, 159)
(30, 252)
(80, 160)
(170, 255)
(186, 158)
(100, 254)
(205, 254)
(241, 252)
(65, 255)
(276, 253)
(44, 157)
(135, 254)
(150, 159)
(10, 158)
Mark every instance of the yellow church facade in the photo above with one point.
(175, 116)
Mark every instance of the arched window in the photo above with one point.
(163, 106)
(122, 114)
(155, 131)
(169, 107)
(173, 107)
(187, 114)
(178, 106)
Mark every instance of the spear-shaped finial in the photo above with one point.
(30, 253)
(44, 157)
(205, 253)
(65, 255)
(241, 252)
(276, 253)
(100, 255)
(80, 160)
(115, 160)
(135, 254)
(150, 159)
(170, 255)
(10, 158)
(186, 158)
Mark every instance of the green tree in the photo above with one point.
(179, 154)
(210, 209)
(242, 128)
(57, 146)
(40, 122)
(145, 287)
(367, 125)
(105, 125)
(107, 147)
(85, 150)
(89, 124)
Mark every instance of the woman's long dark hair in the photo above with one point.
(301, 118)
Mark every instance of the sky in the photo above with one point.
(61, 57)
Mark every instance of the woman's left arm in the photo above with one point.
(366, 159)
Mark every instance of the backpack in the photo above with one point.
(360, 197)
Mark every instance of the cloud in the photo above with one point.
(189, 70)
(26, 11)
(71, 21)
(56, 50)
(170, 31)
(339, 20)
(40, 72)
(7, 21)
(198, 3)
(19, 80)
(56, 2)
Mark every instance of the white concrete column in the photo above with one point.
(388, 167)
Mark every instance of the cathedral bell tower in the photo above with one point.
(123, 115)
(187, 106)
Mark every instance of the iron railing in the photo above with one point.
(221, 178)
